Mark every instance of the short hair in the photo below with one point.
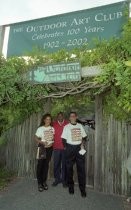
(73, 112)
(60, 113)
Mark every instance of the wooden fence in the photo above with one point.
(112, 148)
(115, 147)
(2, 155)
(108, 150)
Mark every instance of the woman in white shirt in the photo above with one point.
(44, 137)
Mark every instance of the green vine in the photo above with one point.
(19, 98)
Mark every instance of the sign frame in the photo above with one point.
(67, 31)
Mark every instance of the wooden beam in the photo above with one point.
(90, 71)
(2, 33)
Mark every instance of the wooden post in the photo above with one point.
(2, 33)
(3, 149)
(98, 143)
(47, 106)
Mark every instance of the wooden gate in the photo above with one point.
(108, 149)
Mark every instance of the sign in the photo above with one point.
(67, 31)
(55, 73)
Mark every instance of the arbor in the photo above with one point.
(18, 98)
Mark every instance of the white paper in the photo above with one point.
(50, 142)
(82, 151)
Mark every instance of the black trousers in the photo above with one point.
(43, 166)
(60, 166)
(73, 156)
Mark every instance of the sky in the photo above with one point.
(20, 10)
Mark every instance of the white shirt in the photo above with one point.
(46, 134)
(73, 133)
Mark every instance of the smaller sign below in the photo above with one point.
(55, 73)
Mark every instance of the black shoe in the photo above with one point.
(71, 190)
(83, 194)
(40, 188)
(55, 183)
(45, 186)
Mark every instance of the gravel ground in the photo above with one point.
(23, 195)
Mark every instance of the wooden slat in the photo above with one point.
(98, 143)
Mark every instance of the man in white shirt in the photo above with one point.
(74, 137)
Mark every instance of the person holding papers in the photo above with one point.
(74, 137)
(45, 138)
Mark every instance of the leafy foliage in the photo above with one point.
(117, 74)
(5, 177)
(84, 104)
(19, 98)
